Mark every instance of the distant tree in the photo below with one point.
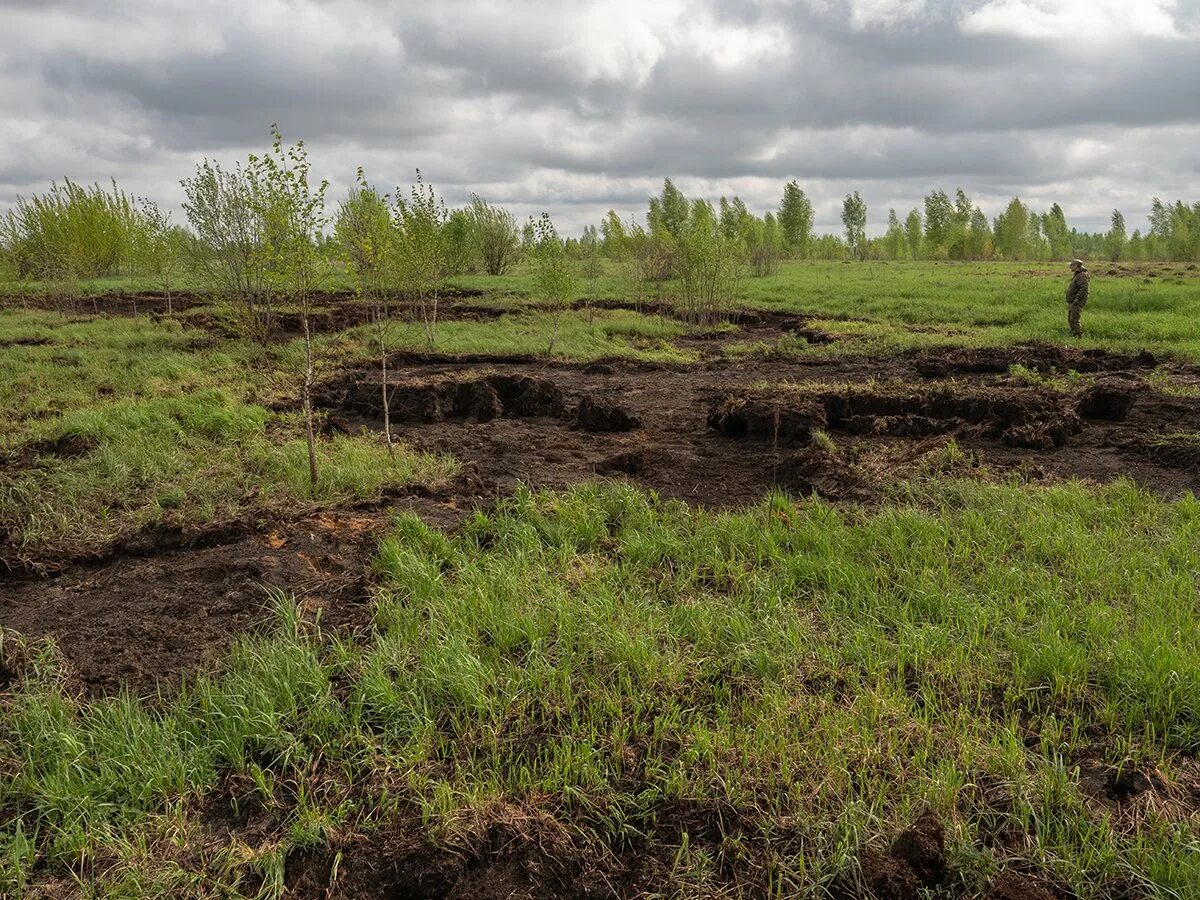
(795, 220)
(1183, 241)
(1137, 246)
(462, 248)
(590, 256)
(893, 241)
(229, 234)
(552, 272)
(1115, 240)
(979, 236)
(710, 265)
(669, 211)
(735, 217)
(366, 241)
(939, 219)
(958, 236)
(496, 236)
(912, 232)
(763, 242)
(1036, 245)
(158, 247)
(1160, 220)
(292, 212)
(1058, 239)
(854, 218)
(421, 250)
(1012, 230)
(613, 237)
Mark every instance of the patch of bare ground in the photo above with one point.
(710, 434)
(1038, 357)
(147, 616)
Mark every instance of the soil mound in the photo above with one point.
(815, 470)
(592, 415)
(1168, 452)
(1109, 398)
(478, 399)
(1044, 358)
(916, 860)
(1019, 416)
(1012, 885)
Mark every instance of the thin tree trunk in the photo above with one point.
(308, 410)
(381, 318)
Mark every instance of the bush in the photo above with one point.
(71, 232)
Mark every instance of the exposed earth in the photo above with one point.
(720, 433)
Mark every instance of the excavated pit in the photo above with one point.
(1042, 358)
(1018, 416)
(474, 399)
(709, 434)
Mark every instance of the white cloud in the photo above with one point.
(885, 13)
(1076, 19)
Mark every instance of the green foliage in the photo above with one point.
(496, 236)
(462, 245)
(854, 218)
(894, 241)
(228, 232)
(815, 678)
(709, 265)
(795, 220)
(1115, 240)
(763, 241)
(70, 232)
(1012, 230)
(291, 214)
(913, 233)
(365, 237)
(421, 250)
(669, 213)
(158, 246)
(553, 272)
(939, 220)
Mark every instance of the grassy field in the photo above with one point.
(628, 694)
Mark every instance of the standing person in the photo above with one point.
(1077, 295)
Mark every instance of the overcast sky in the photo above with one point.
(578, 107)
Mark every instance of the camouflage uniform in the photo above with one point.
(1077, 297)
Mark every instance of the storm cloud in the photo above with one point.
(576, 108)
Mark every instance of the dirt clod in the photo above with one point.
(592, 415)
(1108, 399)
(478, 399)
(1018, 416)
(1042, 358)
(923, 847)
(1011, 885)
(768, 416)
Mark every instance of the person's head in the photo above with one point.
(1076, 265)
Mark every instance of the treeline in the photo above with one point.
(958, 229)
(75, 232)
(946, 228)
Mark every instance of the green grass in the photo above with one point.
(916, 304)
(786, 685)
(751, 698)
(582, 337)
(163, 426)
(168, 424)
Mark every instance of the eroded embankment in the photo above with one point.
(719, 434)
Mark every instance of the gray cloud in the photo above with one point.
(576, 108)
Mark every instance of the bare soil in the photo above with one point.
(719, 434)
(154, 612)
